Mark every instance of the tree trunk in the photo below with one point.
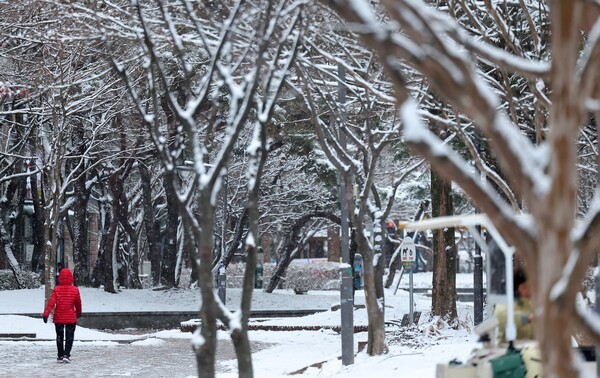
(39, 218)
(7, 250)
(81, 250)
(375, 311)
(169, 257)
(98, 273)
(206, 352)
(443, 302)
(51, 228)
(17, 223)
(109, 247)
(239, 337)
(554, 325)
(133, 260)
(150, 224)
(6, 245)
(169, 253)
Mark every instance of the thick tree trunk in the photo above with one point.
(169, 253)
(17, 222)
(7, 250)
(98, 272)
(80, 237)
(169, 257)
(150, 225)
(206, 352)
(133, 260)
(555, 220)
(39, 218)
(6, 245)
(239, 337)
(443, 301)
(375, 307)
(554, 326)
(109, 246)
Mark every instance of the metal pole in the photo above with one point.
(222, 273)
(597, 279)
(346, 294)
(410, 295)
(478, 263)
(478, 283)
(597, 284)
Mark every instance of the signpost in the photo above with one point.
(407, 255)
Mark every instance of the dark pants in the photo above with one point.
(65, 333)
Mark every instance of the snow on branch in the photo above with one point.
(586, 238)
(453, 167)
(350, 70)
(589, 320)
(335, 152)
(590, 72)
(425, 44)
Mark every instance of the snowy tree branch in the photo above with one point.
(590, 73)
(454, 168)
(451, 72)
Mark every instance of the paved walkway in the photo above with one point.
(172, 358)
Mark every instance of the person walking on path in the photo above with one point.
(65, 301)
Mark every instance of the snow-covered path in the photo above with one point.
(163, 358)
(168, 353)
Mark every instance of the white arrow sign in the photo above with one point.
(407, 250)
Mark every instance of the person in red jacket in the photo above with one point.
(66, 303)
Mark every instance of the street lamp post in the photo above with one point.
(346, 292)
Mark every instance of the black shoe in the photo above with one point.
(59, 360)
(66, 359)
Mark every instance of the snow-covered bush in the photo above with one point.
(300, 277)
(29, 280)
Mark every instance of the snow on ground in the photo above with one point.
(277, 353)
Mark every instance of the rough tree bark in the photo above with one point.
(38, 226)
(111, 235)
(205, 353)
(169, 253)
(557, 251)
(443, 301)
(150, 225)
(80, 237)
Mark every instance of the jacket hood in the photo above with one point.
(65, 277)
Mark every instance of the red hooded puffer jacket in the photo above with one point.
(65, 300)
